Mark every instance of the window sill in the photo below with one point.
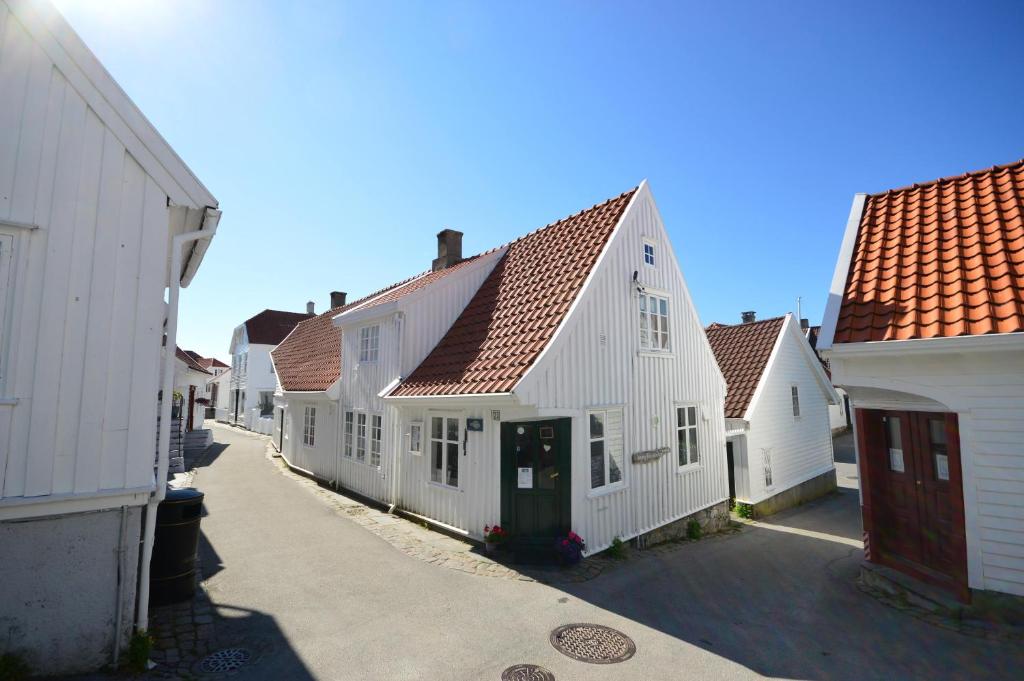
(442, 486)
(605, 490)
(689, 468)
(660, 354)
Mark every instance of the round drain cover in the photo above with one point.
(527, 672)
(222, 661)
(593, 643)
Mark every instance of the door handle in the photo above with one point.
(919, 482)
(554, 475)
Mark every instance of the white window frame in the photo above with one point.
(766, 462)
(348, 432)
(647, 321)
(445, 417)
(688, 427)
(361, 440)
(309, 426)
(794, 396)
(607, 486)
(369, 344)
(376, 436)
(416, 438)
(650, 258)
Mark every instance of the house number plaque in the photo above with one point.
(650, 455)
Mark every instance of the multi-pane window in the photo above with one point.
(309, 427)
(605, 436)
(346, 445)
(444, 450)
(766, 453)
(687, 447)
(369, 343)
(794, 393)
(266, 402)
(360, 436)
(649, 254)
(375, 434)
(894, 438)
(653, 323)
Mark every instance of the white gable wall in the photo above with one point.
(96, 264)
(798, 448)
(579, 372)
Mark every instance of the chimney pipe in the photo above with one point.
(449, 249)
(337, 299)
(309, 307)
(804, 324)
(748, 316)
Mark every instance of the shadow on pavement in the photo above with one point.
(782, 601)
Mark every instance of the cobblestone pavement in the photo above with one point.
(419, 542)
(183, 634)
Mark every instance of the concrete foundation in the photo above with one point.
(59, 588)
(711, 519)
(794, 496)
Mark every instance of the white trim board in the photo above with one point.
(842, 271)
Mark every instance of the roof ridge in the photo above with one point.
(720, 325)
(952, 178)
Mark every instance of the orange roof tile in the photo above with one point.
(517, 309)
(940, 259)
(742, 352)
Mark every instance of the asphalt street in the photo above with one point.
(316, 596)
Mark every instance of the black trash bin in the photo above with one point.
(172, 570)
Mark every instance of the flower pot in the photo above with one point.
(491, 547)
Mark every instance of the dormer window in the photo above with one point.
(369, 343)
(649, 253)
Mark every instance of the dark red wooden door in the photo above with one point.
(914, 513)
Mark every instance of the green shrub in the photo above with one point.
(618, 549)
(744, 510)
(693, 530)
(13, 667)
(138, 652)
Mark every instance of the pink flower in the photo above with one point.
(565, 542)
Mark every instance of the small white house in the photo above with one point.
(218, 389)
(924, 329)
(779, 442)
(560, 382)
(100, 224)
(252, 383)
(190, 379)
(839, 416)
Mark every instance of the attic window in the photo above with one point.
(795, 394)
(369, 343)
(649, 253)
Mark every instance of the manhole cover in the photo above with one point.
(593, 643)
(227, 660)
(527, 672)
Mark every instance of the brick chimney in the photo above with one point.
(449, 249)
(748, 316)
(309, 307)
(337, 299)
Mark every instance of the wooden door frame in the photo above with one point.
(873, 514)
(190, 420)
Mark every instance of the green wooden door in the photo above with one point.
(535, 484)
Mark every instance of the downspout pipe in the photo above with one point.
(207, 228)
(397, 450)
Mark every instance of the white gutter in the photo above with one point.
(209, 221)
(396, 426)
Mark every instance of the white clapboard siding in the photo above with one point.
(800, 447)
(986, 390)
(596, 361)
(85, 292)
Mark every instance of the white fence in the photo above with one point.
(250, 420)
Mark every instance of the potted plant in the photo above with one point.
(494, 537)
(569, 549)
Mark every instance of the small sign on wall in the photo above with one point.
(474, 425)
(525, 480)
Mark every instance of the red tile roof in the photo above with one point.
(270, 327)
(189, 361)
(211, 362)
(517, 309)
(940, 259)
(742, 352)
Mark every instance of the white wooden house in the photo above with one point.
(779, 444)
(253, 381)
(924, 329)
(190, 379)
(99, 221)
(560, 382)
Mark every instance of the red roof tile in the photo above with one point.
(211, 362)
(189, 361)
(517, 309)
(270, 327)
(742, 352)
(940, 259)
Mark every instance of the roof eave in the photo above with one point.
(841, 274)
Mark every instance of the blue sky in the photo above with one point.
(339, 138)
